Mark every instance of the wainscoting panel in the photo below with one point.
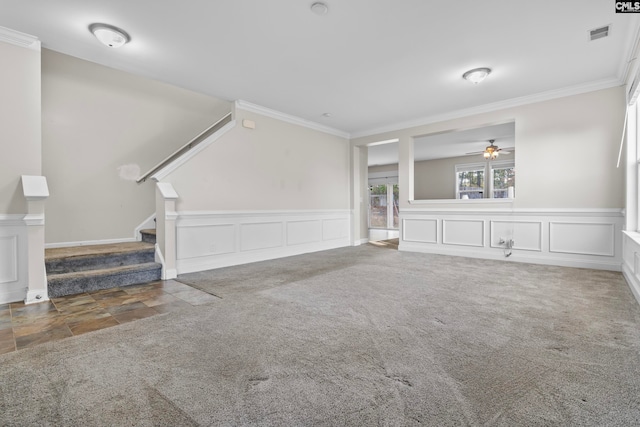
(300, 232)
(588, 238)
(334, 229)
(526, 236)
(463, 232)
(207, 240)
(203, 240)
(420, 230)
(631, 261)
(261, 235)
(8, 259)
(582, 238)
(13, 258)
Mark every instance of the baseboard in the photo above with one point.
(361, 242)
(516, 256)
(89, 242)
(228, 260)
(632, 281)
(146, 224)
(36, 296)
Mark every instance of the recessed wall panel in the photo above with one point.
(8, 259)
(582, 238)
(526, 235)
(463, 232)
(333, 229)
(300, 232)
(261, 235)
(197, 241)
(420, 230)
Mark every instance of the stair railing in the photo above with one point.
(187, 147)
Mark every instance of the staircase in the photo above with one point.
(79, 269)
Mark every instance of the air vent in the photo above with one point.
(599, 33)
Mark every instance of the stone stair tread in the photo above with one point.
(93, 250)
(104, 271)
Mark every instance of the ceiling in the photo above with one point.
(448, 144)
(371, 64)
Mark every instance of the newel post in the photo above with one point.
(166, 217)
(35, 191)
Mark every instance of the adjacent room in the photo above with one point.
(287, 213)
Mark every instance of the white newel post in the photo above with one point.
(35, 190)
(166, 216)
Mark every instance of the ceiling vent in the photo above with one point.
(599, 33)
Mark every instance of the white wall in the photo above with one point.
(569, 193)
(96, 120)
(20, 132)
(276, 166)
(277, 190)
(20, 145)
(567, 149)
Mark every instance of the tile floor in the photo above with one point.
(23, 326)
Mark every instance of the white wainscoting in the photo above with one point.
(631, 261)
(13, 258)
(207, 240)
(589, 238)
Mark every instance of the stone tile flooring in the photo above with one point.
(23, 326)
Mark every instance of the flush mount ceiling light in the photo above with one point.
(109, 35)
(319, 8)
(477, 75)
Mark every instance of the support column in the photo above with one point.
(166, 217)
(35, 191)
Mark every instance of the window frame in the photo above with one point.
(487, 168)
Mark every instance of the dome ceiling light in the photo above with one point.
(477, 74)
(109, 35)
(319, 8)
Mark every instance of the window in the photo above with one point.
(471, 182)
(383, 206)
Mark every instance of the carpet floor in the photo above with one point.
(358, 336)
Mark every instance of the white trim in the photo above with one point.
(361, 242)
(8, 220)
(17, 38)
(634, 284)
(247, 213)
(206, 240)
(615, 212)
(529, 257)
(495, 106)
(532, 244)
(146, 224)
(264, 111)
(89, 242)
(36, 296)
(164, 172)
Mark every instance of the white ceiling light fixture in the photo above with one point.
(109, 35)
(319, 8)
(477, 74)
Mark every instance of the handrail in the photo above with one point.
(188, 146)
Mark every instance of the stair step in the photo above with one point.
(92, 257)
(148, 235)
(62, 284)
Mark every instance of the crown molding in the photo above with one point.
(495, 106)
(19, 39)
(247, 106)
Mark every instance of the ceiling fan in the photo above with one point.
(491, 151)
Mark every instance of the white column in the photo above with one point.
(166, 217)
(35, 190)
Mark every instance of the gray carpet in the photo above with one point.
(352, 337)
